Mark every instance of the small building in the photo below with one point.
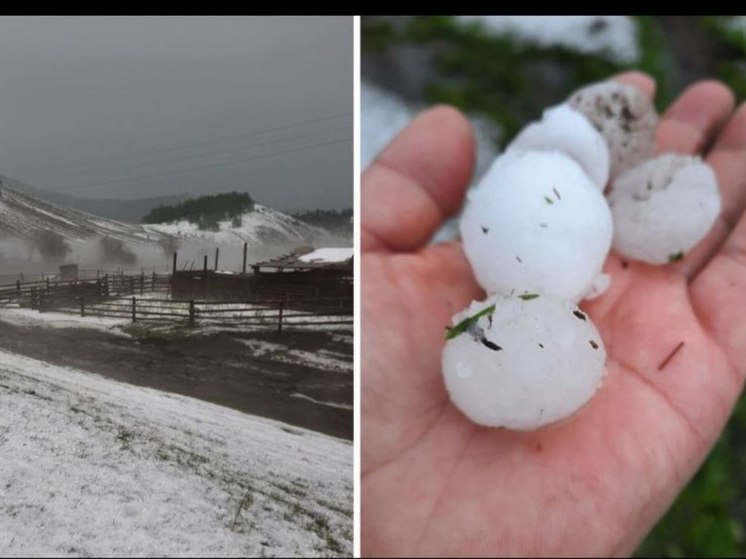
(68, 272)
(303, 279)
(325, 273)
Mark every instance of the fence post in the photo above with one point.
(142, 282)
(245, 248)
(191, 312)
(279, 318)
(82, 307)
(18, 287)
(217, 254)
(134, 311)
(205, 262)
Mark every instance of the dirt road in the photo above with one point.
(299, 377)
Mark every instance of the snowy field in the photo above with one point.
(323, 359)
(261, 317)
(93, 467)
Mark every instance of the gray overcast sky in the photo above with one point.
(257, 104)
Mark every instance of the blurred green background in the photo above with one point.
(509, 79)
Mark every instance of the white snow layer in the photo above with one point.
(327, 255)
(261, 225)
(29, 317)
(93, 467)
(614, 36)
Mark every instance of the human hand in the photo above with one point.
(433, 483)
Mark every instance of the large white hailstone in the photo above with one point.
(536, 222)
(625, 117)
(564, 129)
(663, 207)
(525, 361)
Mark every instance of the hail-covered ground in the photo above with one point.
(94, 467)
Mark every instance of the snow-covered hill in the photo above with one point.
(24, 214)
(263, 225)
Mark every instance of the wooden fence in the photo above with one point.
(274, 314)
(124, 297)
(31, 292)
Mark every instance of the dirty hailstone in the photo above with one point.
(522, 361)
(663, 207)
(624, 116)
(537, 223)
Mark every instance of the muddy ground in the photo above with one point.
(218, 367)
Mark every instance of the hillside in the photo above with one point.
(95, 467)
(80, 237)
(129, 211)
(24, 216)
(263, 225)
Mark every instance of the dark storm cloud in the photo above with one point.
(119, 107)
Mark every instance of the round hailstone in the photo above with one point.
(663, 207)
(536, 222)
(525, 361)
(564, 129)
(624, 116)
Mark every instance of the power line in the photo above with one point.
(199, 167)
(197, 155)
(182, 146)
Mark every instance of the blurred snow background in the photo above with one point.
(502, 71)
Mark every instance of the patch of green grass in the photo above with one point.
(320, 526)
(125, 437)
(510, 80)
(294, 490)
(244, 504)
(709, 518)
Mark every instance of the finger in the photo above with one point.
(718, 295)
(641, 81)
(417, 181)
(728, 160)
(692, 120)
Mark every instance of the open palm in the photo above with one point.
(433, 483)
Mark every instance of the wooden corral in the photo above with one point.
(290, 277)
(123, 295)
(284, 279)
